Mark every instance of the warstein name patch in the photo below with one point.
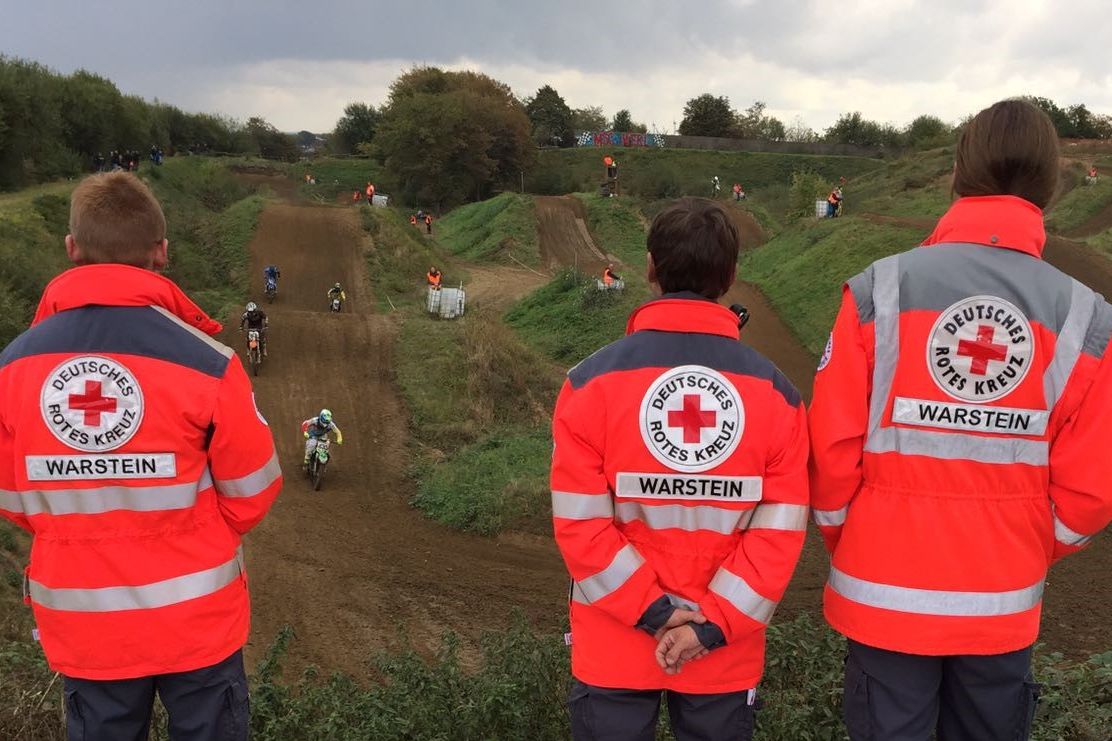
(678, 486)
(692, 418)
(128, 466)
(998, 420)
(92, 403)
(980, 349)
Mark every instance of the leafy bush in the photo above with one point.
(807, 187)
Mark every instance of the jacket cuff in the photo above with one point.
(656, 615)
(709, 634)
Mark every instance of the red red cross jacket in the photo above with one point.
(132, 450)
(679, 474)
(960, 426)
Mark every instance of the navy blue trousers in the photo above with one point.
(891, 696)
(207, 704)
(603, 714)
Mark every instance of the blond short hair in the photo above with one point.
(115, 218)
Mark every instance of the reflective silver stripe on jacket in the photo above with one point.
(735, 590)
(98, 500)
(933, 601)
(956, 446)
(253, 483)
(10, 502)
(830, 517)
(1068, 346)
(1067, 536)
(886, 328)
(682, 517)
(771, 516)
(609, 580)
(141, 597)
(571, 506)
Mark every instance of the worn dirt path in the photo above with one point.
(353, 565)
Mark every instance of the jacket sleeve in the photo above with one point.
(1080, 468)
(242, 457)
(839, 422)
(11, 507)
(747, 587)
(607, 570)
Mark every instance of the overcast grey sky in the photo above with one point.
(298, 63)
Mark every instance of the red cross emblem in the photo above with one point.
(982, 350)
(692, 418)
(93, 403)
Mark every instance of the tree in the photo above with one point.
(1061, 120)
(853, 128)
(551, 118)
(708, 115)
(269, 142)
(447, 137)
(754, 124)
(357, 126)
(590, 119)
(799, 131)
(623, 121)
(928, 132)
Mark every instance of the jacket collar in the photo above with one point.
(120, 285)
(684, 312)
(995, 221)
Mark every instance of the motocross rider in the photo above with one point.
(255, 318)
(316, 428)
(271, 273)
(336, 292)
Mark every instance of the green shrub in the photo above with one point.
(806, 188)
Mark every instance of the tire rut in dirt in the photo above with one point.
(350, 565)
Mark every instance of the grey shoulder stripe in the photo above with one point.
(219, 347)
(861, 286)
(1100, 329)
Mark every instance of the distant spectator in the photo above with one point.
(1091, 178)
(428, 223)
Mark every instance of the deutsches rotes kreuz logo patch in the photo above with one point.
(92, 403)
(980, 349)
(692, 418)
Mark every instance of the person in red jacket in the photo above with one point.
(132, 450)
(961, 417)
(679, 500)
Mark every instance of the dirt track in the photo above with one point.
(350, 566)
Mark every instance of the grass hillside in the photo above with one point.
(502, 229)
(667, 173)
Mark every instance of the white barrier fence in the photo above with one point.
(446, 303)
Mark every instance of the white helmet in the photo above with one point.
(252, 306)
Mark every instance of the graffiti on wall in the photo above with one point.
(619, 139)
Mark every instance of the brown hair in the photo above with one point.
(1010, 148)
(694, 245)
(114, 217)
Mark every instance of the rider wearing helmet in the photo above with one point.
(316, 428)
(336, 292)
(271, 274)
(255, 318)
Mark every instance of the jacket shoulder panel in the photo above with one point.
(128, 330)
(656, 349)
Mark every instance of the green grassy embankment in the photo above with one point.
(501, 229)
(668, 173)
(478, 397)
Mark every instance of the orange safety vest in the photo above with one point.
(355, 196)
(434, 279)
(428, 219)
(678, 474)
(607, 277)
(413, 220)
(960, 426)
(370, 191)
(131, 449)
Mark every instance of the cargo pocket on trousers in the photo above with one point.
(237, 713)
(855, 703)
(749, 719)
(75, 722)
(1031, 692)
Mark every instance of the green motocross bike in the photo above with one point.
(318, 461)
